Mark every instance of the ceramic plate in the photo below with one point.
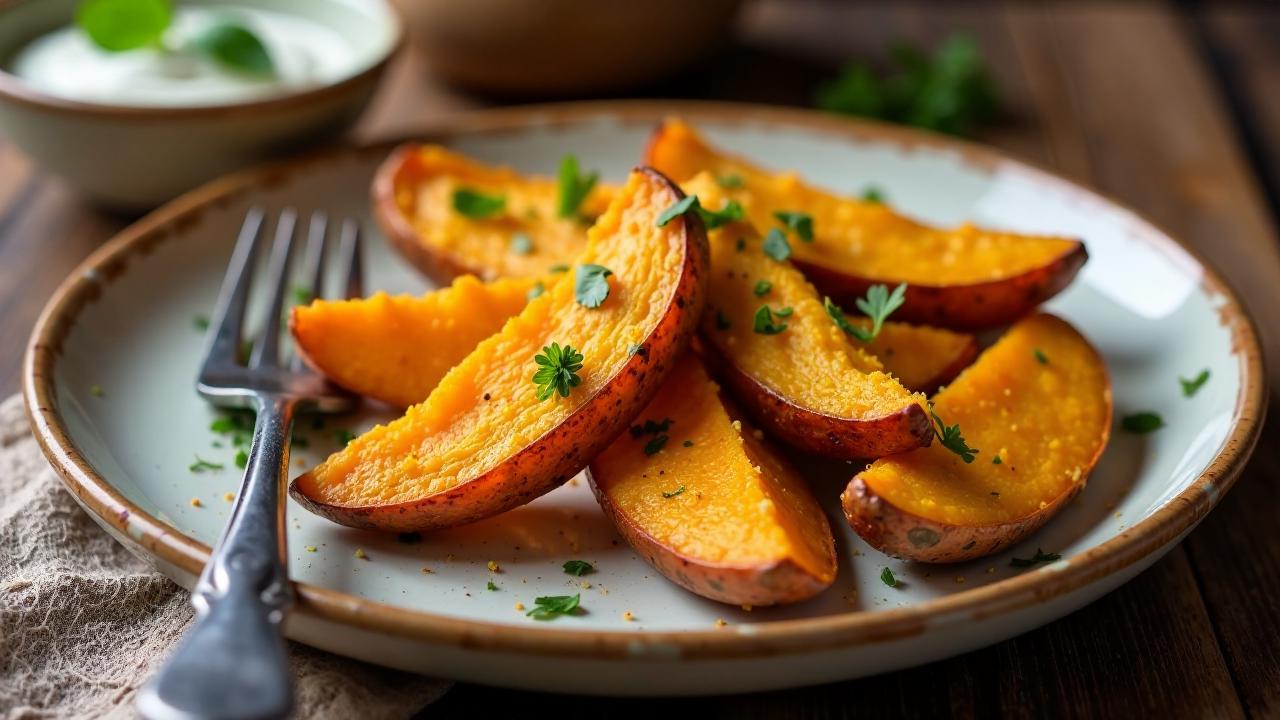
(110, 374)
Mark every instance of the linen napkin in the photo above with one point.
(84, 623)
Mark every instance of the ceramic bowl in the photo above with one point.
(133, 158)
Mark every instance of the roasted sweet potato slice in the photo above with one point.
(798, 374)
(1039, 400)
(483, 442)
(415, 201)
(709, 503)
(965, 277)
(396, 349)
(923, 358)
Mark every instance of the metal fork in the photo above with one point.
(232, 662)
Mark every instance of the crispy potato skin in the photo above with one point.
(901, 534)
(819, 433)
(960, 307)
(562, 452)
(774, 584)
(438, 265)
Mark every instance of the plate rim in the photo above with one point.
(804, 635)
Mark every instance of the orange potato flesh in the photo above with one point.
(922, 358)
(482, 442)
(744, 529)
(1048, 422)
(413, 200)
(396, 349)
(959, 277)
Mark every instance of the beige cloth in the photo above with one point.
(83, 623)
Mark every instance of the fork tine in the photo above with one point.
(267, 350)
(228, 316)
(313, 265)
(352, 258)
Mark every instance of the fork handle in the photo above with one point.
(232, 663)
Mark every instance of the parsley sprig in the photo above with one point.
(574, 186)
(591, 285)
(951, 439)
(878, 305)
(557, 370)
(551, 607)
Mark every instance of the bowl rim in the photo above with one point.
(1168, 523)
(14, 88)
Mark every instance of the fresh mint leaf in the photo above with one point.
(120, 25)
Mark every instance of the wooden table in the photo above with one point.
(1173, 109)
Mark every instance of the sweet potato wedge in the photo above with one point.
(964, 277)
(923, 358)
(413, 197)
(1040, 401)
(396, 349)
(709, 503)
(483, 441)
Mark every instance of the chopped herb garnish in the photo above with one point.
(688, 443)
(762, 288)
(950, 92)
(650, 427)
(996, 460)
(1039, 557)
(490, 586)
(301, 295)
(776, 245)
(578, 568)
(951, 439)
(730, 181)
(722, 322)
(553, 606)
(1192, 386)
(713, 219)
(201, 465)
(1040, 356)
(477, 205)
(201, 322)
(886, 577)
(242, 459)
(521, 244)
(574, 187)
(797, 222)
(1142, 423)
(344, 436)
(535, 291)
(873, 194)
(764, 323)
(558, 268)
(655, 445)
(676, 209)
(557, 370)
(591, 286)
(787, 311)
(673, 493)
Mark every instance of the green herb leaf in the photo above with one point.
(1040, 356)
(838, 317)
(591, 287)
(553, 606)
(558, 268)
(235, 47)
(880, 304)
(886, 577)
(574, 187)
(119, 25)
(535, 291)
(776, 245)
(650, 427)
(1142, 423)
(677, 209)
(655, 445)
(950, 92)
(242, 459)
(996, 460)
(797, 222)
(713, 219)
(1039, 557)
(951, 439)
(578, 568)
(784, 312)
(557, 370)
(1192, 386)
(344, 436)
(490, 586)
(764, 323)
(201, 322)
(762, 288)
(673, 493)
(873, 194)
(521, 244)
(731, 181)
(476, 205)
(201, 465)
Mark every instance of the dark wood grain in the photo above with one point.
(1172, 109)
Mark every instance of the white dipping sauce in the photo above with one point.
(66, 63)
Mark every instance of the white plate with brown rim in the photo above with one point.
(109, 385)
